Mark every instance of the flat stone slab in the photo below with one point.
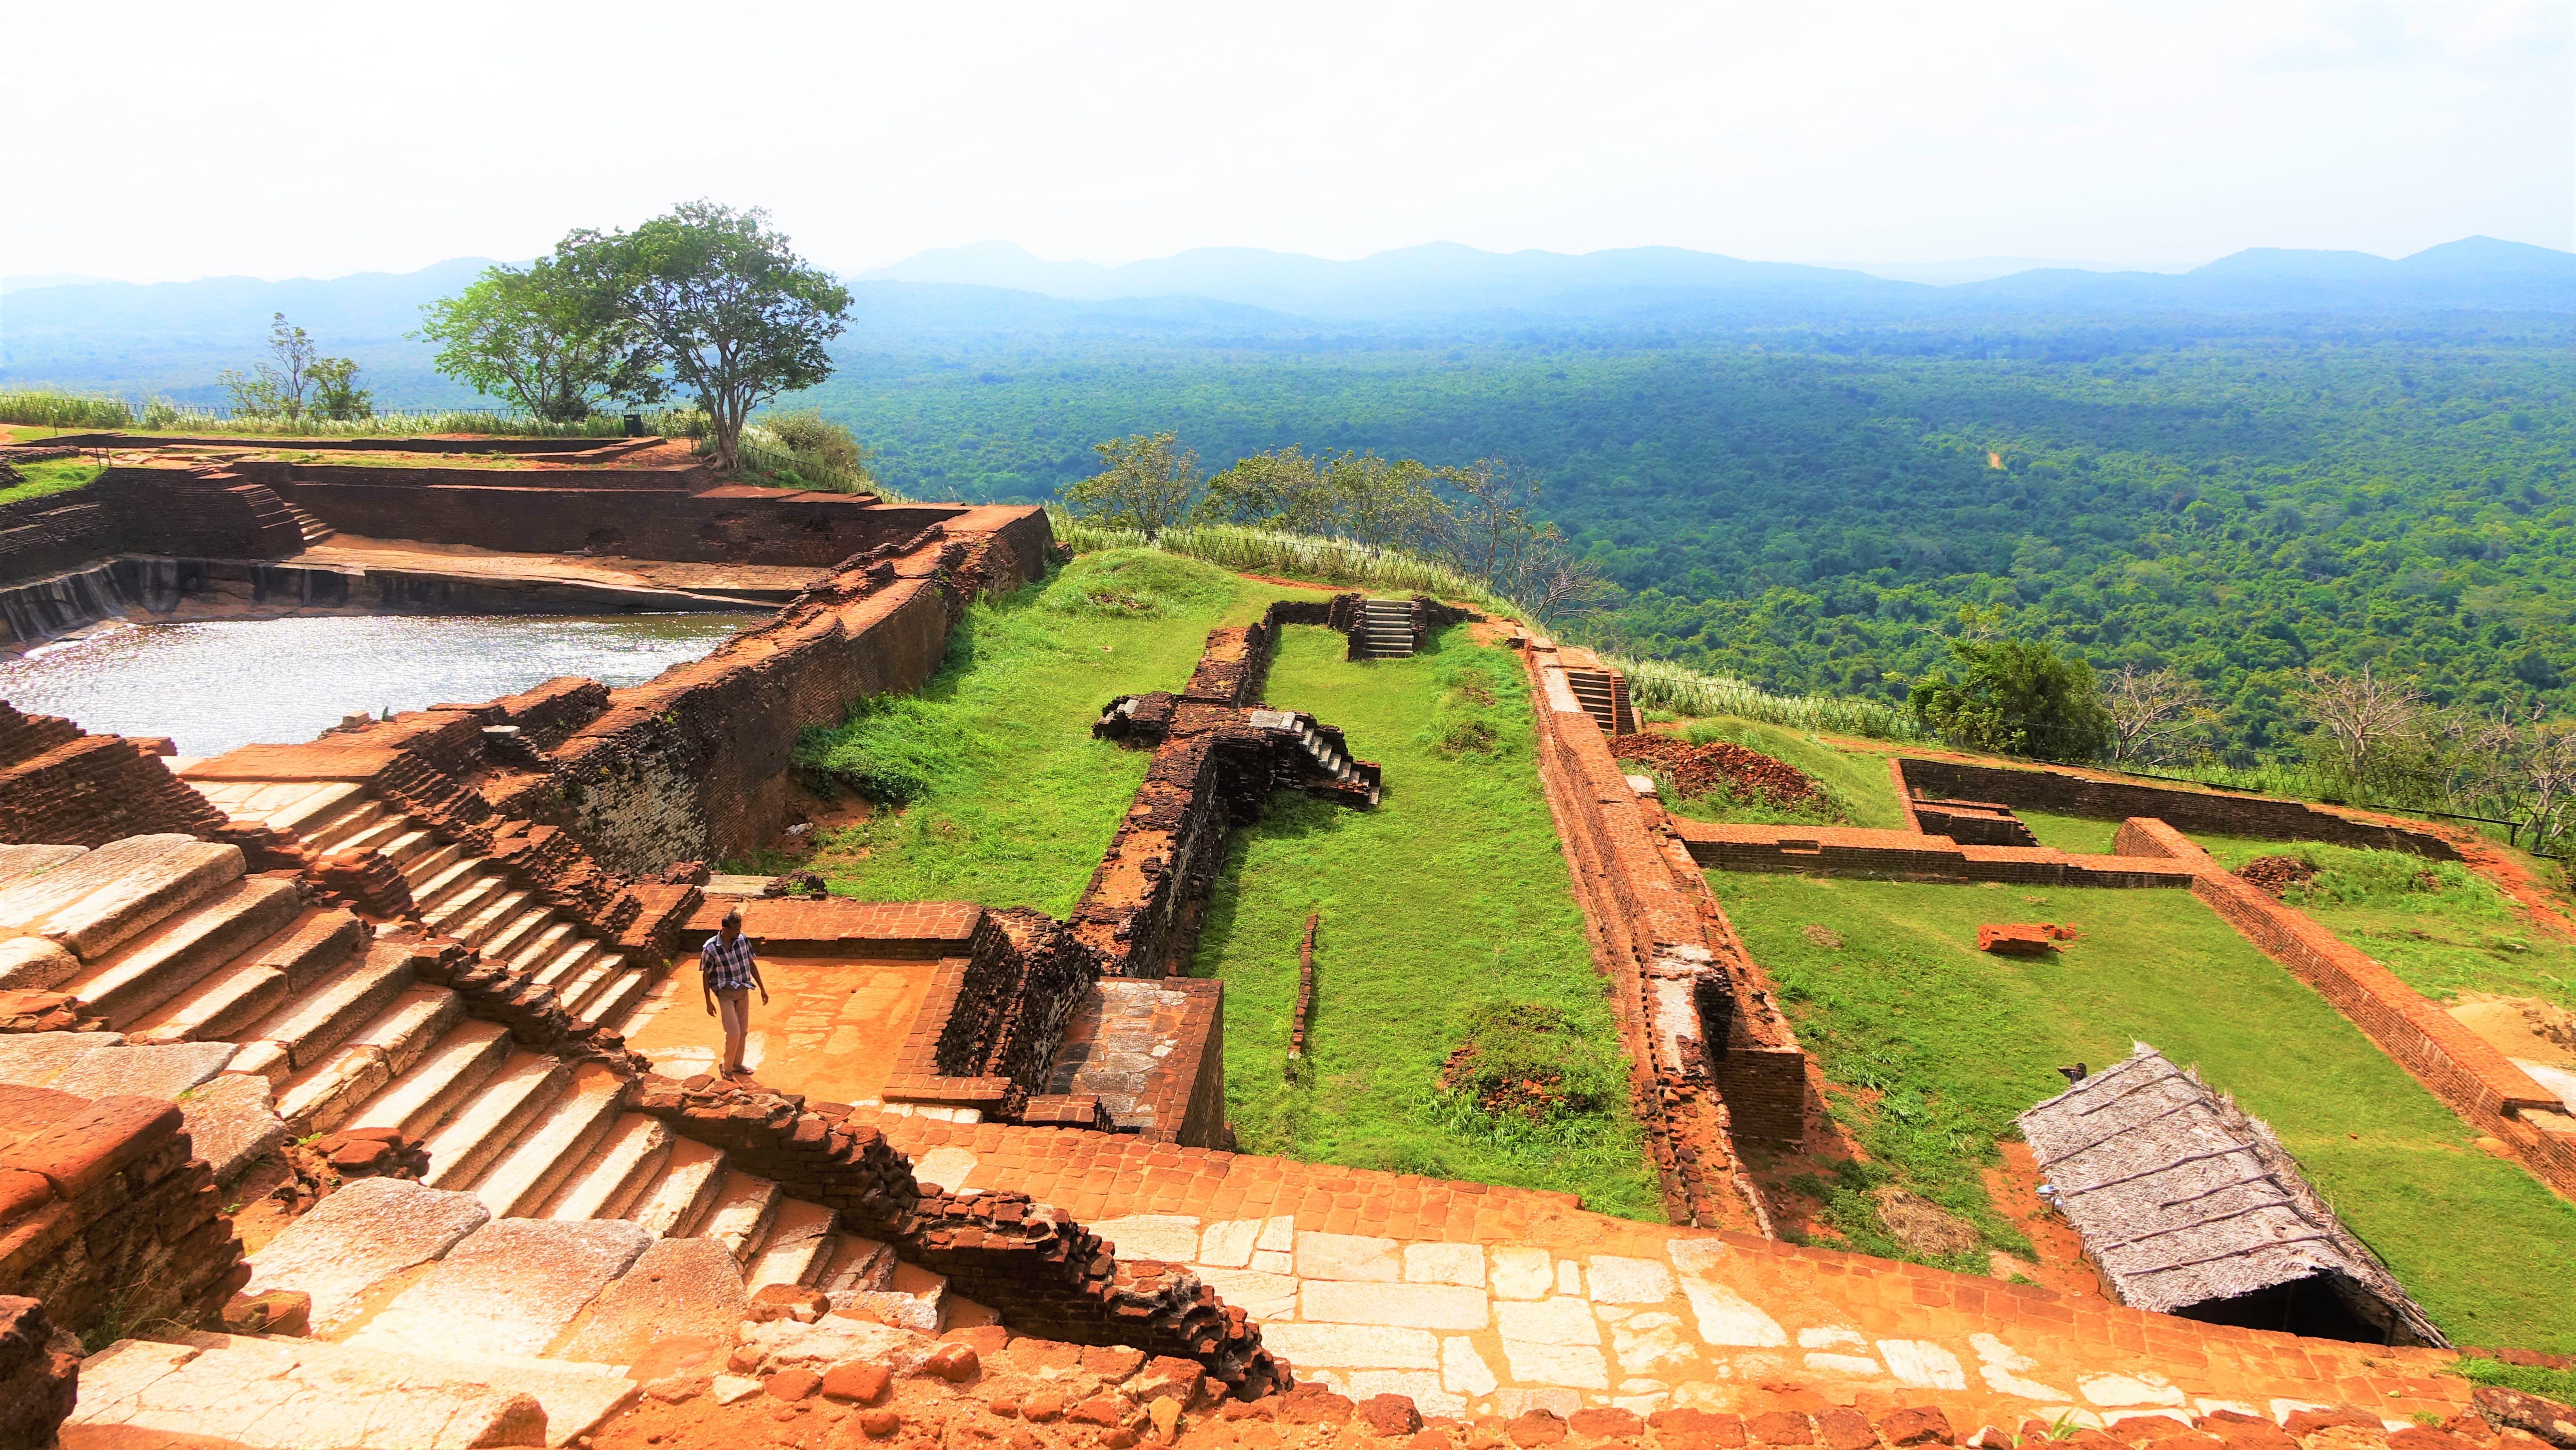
(510, 1288)
(675, 1312)
(143, 1072)
(279, 1394)
(232, 1120)
(359, 1237)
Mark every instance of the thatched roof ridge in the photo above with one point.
(2182, 1199)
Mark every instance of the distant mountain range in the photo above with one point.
(1446, 279)
(173, 336)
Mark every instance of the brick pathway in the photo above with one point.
(1476, 1299)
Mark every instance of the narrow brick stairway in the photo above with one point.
(1604, 696)
(1386, 629)
(1328, 758)
(213, 984)
(314, 530)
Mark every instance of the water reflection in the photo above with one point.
(215, 684)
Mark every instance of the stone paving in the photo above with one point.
(832, 1027)
(1480, 1300)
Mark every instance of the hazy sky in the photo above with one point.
(177, 141)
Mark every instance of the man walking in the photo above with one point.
(727, 972)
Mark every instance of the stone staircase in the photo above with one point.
(1320, 750)
(168, 941)
(314, 530)
(1386, 629)
(1604, 696)
(465, 897)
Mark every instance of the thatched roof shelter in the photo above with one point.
(2189, 1207)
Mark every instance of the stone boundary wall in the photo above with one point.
(641, 513)
(1711, 1056)
(2063, 792)
(1047, 1275)
(194, 511)
(62, 786)
(567, 450)
(55, 534)
(1904, 856)
(2453, 1063)
(108, 1215)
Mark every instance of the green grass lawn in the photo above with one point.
(2081, 835)
(1858, 789)
(1949, 1044)
(2451, 933)
(1006, 800)
(1448, 900)
(60, 475)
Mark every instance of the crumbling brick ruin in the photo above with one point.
(1712, 1056)
(426, 932)
(59, 783)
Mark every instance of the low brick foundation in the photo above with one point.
(1711, 1055)
(985, 1036)
(2453, 1063)
(1045, 1274)
(1904, 856)
(107, 1215)
(2070, 793)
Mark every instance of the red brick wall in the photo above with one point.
(61, 787)
(2066, 793)
(107, 1215)
(2453, 1063)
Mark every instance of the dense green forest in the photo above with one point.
(1814, 512)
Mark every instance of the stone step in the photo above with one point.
(740, 1217)
(582, 986)
(325, 838)
(314, 946)
(544, 947)
(461, 915)
(312, 808)
(420, 1101)
(497, 911)
(292, 1394)
(856, 1265)
(410, 843)
(470, 892)
(482, 1129)
(517, 932)
(554, 1145)
(315, 1021)
(510, 1288)
(616, 1173)
(178, 954)
(684, 1193)
(625, 990)
(219, 1008)
(375, 836)
(443, 890)
(91, 915)
(431, 864)
(797, 1248)
(321, 1098)
(576, 957)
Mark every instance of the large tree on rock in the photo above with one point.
(716, 297)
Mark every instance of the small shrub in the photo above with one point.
(808, 434)
(1470, 736)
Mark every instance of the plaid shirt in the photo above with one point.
(727, 968)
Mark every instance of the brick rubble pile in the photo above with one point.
(1697, 770)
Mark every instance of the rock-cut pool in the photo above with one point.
(212, 685)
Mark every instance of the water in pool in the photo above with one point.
(212, 685)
